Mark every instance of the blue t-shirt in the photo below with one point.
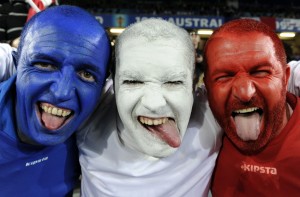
(28, 170)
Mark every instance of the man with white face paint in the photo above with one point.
(145, 138)
(154, 98)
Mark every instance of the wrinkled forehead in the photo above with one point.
(71, 34)
(165, 47)
(64, 25)
(56, 32)
(52, 36)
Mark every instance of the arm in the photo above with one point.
(7, 64)
(294, 81)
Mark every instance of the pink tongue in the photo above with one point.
(247, 126)
(168, 132)
(52, 122)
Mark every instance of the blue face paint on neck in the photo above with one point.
(63, 57)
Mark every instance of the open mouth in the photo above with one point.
(248, 122)
(247, 111)
(152, 121)
(53, 117)
(164, 128)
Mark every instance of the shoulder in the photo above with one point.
(203, 122)
(7, 63)
(6, 53)
(294, 80)
(101, 123)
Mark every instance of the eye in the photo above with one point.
(174, 82)
(86, 76)
(45, 66)
(132, 82)
(223, 78)
(260, 73)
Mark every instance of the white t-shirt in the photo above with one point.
(110, 169)
(7, 67)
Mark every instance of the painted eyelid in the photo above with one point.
(178, 82)
(223, 77)
(132, 81)
(94, 78)
(261, 72)
(45, 66)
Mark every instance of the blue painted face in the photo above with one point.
(61, 71)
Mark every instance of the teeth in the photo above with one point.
(59, 112)
(55, 111)
(152, 121)
(241, 111)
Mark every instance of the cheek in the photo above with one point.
(89, 95)
(181, 100)
(218, 95)
(126, 100)
(272, 92)
(32, 85)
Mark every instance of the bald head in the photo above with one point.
(242, 26)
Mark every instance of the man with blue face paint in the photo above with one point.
(61, 67)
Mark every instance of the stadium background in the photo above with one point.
(193, 15)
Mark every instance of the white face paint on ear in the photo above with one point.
(153, 86)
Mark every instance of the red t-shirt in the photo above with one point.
(273, 172)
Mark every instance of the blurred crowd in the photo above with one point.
(13, 13)
(13, 16)
(238, 8)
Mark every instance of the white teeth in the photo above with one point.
(59, 112)
(152, 121)
(241, 111)
(55, 111)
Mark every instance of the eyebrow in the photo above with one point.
(43, 56)
(171, 76)
(175, 75)
(131, 74)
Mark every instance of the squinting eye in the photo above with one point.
(45, 66)
(260, 73)
(174, 82)
(132, 82)
(223, 78)
(86, 76)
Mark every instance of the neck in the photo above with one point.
(286, 117)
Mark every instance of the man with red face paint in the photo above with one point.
(246, 76)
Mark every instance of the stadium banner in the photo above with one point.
(195, 22)
(287, 24)
(280, 24)
(187, 22)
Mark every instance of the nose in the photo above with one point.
(63, 88)
(243, 89)
(153, 100)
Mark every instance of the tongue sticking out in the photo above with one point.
(52, 122)
(247, 126)
(168, 132)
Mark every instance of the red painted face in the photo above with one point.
(246, 88)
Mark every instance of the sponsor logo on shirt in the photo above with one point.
(259, 169)
(32, 163)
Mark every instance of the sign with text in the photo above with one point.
(187, 22)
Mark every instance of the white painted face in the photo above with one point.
(153, 86)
